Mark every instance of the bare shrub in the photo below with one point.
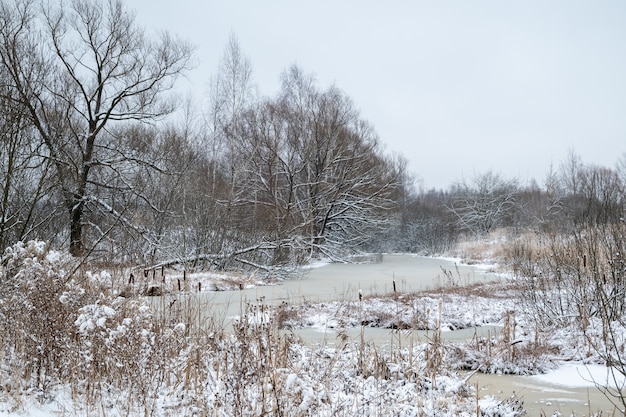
(38, 304)
(579, 280)
(509, 351)
(63, 325)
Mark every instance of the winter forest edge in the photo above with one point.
(107, 176)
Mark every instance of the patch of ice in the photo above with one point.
(316, 264)
(582, 376)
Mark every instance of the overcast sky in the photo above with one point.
(457, 87)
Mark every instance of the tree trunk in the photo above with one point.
(76, 228)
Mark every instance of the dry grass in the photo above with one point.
(68, 327)
(487, 249)
(116, 356)
(503, 290)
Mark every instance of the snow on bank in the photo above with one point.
(330, 381)
(453, 309)
(317, 264)
(350, 380)
(113, 356)
(578, 375)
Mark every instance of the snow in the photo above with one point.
(322, 380)
(317, 263)
(424, 311)
(579, 375)
(92, 316)
(32, 409)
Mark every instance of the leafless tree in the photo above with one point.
(428, 226)
(485, 203)
(603, 192)
(295, 175)
(315, 170)
(78, 69)
(25, 204)
(231, 93)
(582, 193)
(621, 167)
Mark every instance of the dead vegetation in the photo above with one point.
(110, 355)
(68, 327)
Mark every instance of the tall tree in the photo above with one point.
(231, 93)
(78, 68)
(24, 199)
(484, 204)
(315, 176)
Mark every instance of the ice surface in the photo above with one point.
(576, 375)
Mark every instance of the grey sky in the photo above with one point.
(457, 87)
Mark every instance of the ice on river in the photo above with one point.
(576, 375)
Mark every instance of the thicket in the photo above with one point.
(564, 242)
(570, 267)
(244, 182)
(88, 160)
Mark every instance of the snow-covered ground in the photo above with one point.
(452, 309)
(258, 368)
(580, 375)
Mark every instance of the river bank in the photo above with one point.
(408, 300)
(438, 325)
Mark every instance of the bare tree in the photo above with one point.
(621, 167)
(484, 204)
(231, 93)
(603, 193)
(297, 175)
(428, 226)
(25, 204)
(581, 194)
(77, 69)
(315, 171)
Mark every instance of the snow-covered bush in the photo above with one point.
(63, 325)
(122, 346)
(56, 319)
(39, 298)
(577, 281)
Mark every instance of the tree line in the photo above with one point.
(90, 161)
(574, 195)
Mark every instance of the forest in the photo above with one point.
(92, 162)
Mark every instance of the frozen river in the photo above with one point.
(564, 392)
(343, 281)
